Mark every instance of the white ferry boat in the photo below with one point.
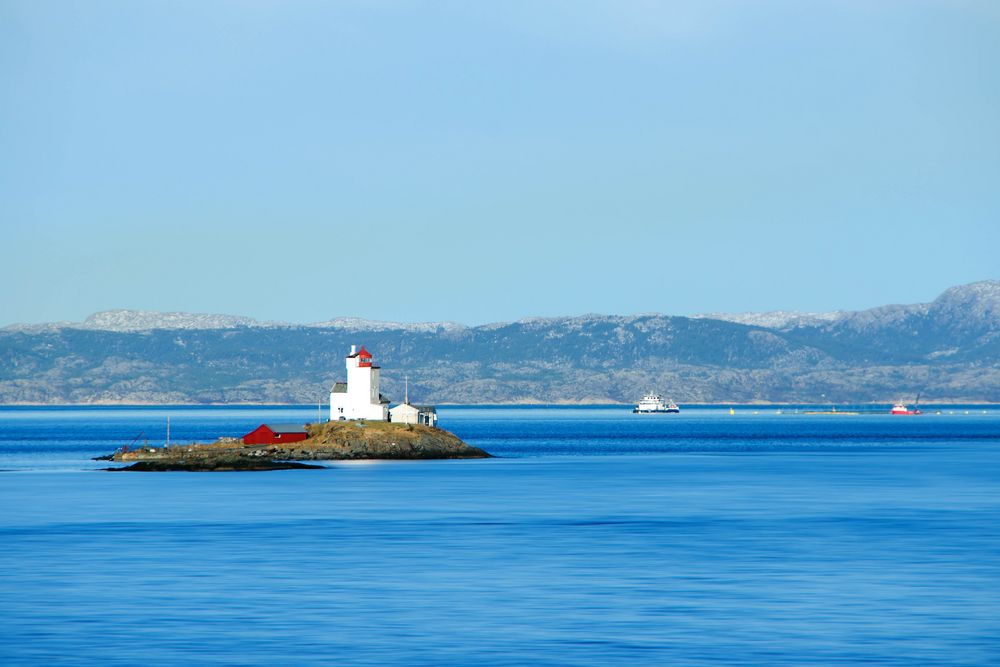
(654, 403)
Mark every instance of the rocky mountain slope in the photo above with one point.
(948, 350)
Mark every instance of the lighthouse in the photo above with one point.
(359, 397)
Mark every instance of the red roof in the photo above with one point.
(365, 354)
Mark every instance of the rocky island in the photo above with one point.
(329, 441)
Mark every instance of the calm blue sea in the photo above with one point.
(597, 537)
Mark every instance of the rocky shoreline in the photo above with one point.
(330, 441)
(231, 465)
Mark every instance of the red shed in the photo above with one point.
(275, 434)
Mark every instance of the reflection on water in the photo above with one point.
(597, 538)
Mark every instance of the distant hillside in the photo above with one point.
(949, 350)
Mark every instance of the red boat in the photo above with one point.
(901, 409)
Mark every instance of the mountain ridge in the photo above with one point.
(983, 295)
(948, 349)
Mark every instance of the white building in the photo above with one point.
(404, 413)
(359, 397)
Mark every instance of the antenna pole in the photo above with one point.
(406, 391)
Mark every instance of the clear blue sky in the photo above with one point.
(479, 162)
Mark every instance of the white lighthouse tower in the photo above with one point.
(359, 397)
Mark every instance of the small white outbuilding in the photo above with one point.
(405, 413)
